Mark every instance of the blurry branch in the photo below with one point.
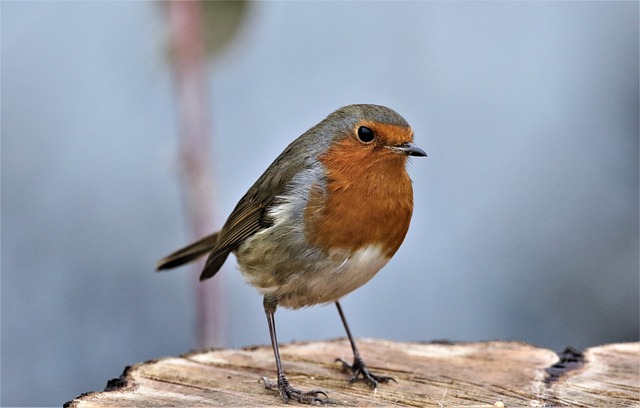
(192, 102)
(198, 29)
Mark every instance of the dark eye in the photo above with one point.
(365, 134)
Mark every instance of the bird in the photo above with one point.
(321, 221)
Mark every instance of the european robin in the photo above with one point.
(320, 222)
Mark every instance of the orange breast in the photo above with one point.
(368, 199)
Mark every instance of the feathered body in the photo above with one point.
(320, 222)
(325, 216)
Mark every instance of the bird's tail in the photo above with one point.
(188, 253)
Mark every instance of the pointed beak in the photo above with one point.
(409, 149)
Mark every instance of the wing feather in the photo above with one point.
(251, 213)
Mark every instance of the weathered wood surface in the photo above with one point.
(428, 374)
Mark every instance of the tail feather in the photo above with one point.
(213, 264)
(189, 253)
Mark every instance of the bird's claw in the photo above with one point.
(359, 368)
(287, 392)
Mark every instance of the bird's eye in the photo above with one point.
(365, 134)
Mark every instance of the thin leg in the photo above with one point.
(286, 391)
(359, 367)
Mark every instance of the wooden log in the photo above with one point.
(487, 374)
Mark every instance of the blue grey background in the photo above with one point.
(526, 210)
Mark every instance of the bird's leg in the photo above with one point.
(359, 367)
(287, 392)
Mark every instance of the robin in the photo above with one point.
(320, 222)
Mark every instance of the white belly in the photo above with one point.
(333, 281)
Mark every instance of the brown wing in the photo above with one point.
(250, 214)
(243, 222)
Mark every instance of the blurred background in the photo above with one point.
(526, 210)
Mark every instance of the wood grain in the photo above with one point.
(483, 374)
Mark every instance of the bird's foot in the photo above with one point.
(287, 392)
(359, 368)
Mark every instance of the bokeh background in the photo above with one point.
(526, 218)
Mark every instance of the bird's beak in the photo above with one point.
(409, 149)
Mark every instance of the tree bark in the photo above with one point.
(489, 374)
